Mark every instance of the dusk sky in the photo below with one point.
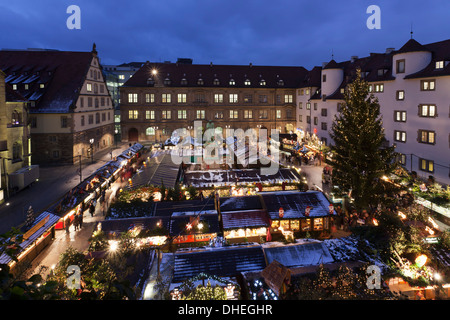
(283, 32)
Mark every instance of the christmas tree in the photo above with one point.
(359, 155)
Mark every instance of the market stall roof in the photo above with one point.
(178, 224)
(223, 262)
(167, 208)
(294, 204)
(240, 203)
(44, 222)
(245, 219)
(297, 255)
(122, 225)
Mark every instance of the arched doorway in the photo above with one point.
(133, 135)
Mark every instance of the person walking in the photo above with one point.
(92, 209)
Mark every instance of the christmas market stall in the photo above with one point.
(147, 231)
(295, 211)
(188, 227)
(244, 219)
(35, 238)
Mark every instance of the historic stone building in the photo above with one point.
(162, 97)
(71, 111)
(14, 134)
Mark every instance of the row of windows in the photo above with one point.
(216, 82)
(199, 98)
(201, 114)
(97, 102)
(423, 136)
(424, 164)
(95, 88)
(323, 125)
(97, 116)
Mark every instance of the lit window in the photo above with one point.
(149, 97)
(88, 87)
(166, 98)
(132, 98)
(132, 114)
(218, 98)
(379, 87)
(247, 82)
(233, 114)
(166, 114)
(262, 82)
(278, 114)
(426, 165)
(425, 136)
(288, 98)
(248, 114)
(200, 114)
(400, 136)
(182, 114)
(150, 131)
(182, 98)
(400, 66)
(400, 95)
(150, 114)
(232, 82)
(427, 85)
(427, 110)
(440, 64)
(400, 116)
(233, 98)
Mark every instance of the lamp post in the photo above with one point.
(156, 134)
(91, 141)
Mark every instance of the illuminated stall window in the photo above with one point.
(295, 225)
(284, 224)
(318, 224)
(275, 224)
(306, 224)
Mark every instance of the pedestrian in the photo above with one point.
(80, 221)
(67, 225)
(92, 209)
(75, 222)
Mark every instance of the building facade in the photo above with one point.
(163, 97)
(14, 134)
(71, 112)
(411, 85)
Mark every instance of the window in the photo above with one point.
(103, 116)
(288, 98)
(200, 114)
(300, 118)
(263, 98)
(41, 86)
(263, 114)
(233, 114)
(182, 98)
(324, 78)
(218, 98)
(233, 98)
(289, 113)
(339, 107)
(97, 117)
(401, 66)
(96, 102)
(89, 101)
(316, 121)
(248, 98)
(167, 82)
(308, 106)
(301, 92)
(55, 153)
(300, 105)
(33, 121)
(218, 115)
(150, 131)
(440, 64)
(425, 136)
(216, 82)
(308, 119)
(200, 97)
(121, 77)
(132, 114)
(400, 116)
(278, 99)
(379, 87)
(262, 83)
(324, 112)
(14, 86)
(427, 110)
(248, 114)
(231, 82)
(401, 158)
(89, 87)
(132, 98)
(278, 114)
(166, 114)
(166, 98)
(149, 98)
(400, 136)
(247, 82)
(324, 126)
(426, 165)
(184, 82)
(63, 122)
(150, 114)
(91, 119)
(400, 95)
(200, 82)
(427, 85)
(315, 105)
(182, 114)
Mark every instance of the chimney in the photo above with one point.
(389, 50)
(353, 58)
(324, 64)
(251, 64)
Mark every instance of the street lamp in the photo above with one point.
(91, 141)
(156, 134)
